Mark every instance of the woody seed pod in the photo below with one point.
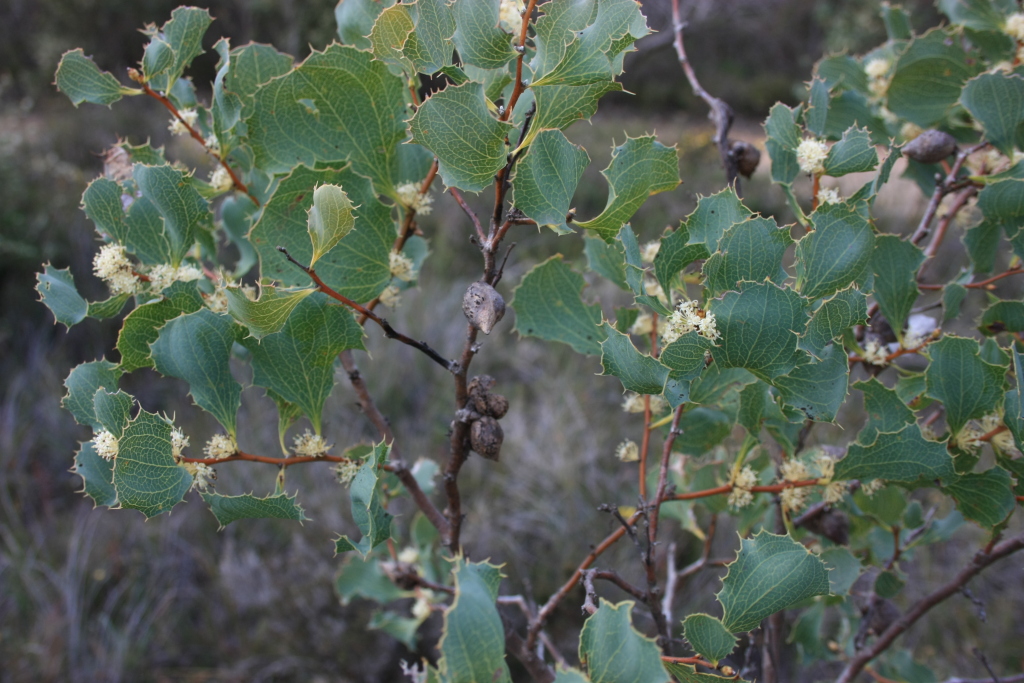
(486, 436)
(930, 147)
(483, 306)
(497, 406)
(746, 155)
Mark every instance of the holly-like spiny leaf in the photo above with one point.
(229, 509)
(996, 101)
(615, 652)
(837, 314)
(836, 253)
(57, 290)
(369, 514)
(546, 179)
(675, 254)
(473, 645)
(895, 263)
(97, 475)
(146, 476)
(709, 637)
(817, 388)
(82, 384)
(968, 386)
(638, 372)
(750, 250)
(986, 498)
(141, 326)
(903, 457)
(81, 80)
(549, 305)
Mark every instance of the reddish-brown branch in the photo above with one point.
(389, 331)
(645, 444)
(982, 284)
(458, 444)
(519, 87)
(979, 562)
(689, 660)
(235, 180)
(469, 212)
(281, 462)
(988, 435)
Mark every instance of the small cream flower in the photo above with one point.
(163, 276)
(649, 251)
(628, 451)
(829, 195)
(794, 470)
(421, 608)
(178, 128)
(658, 405)
(708, 327)
(741, 497)
(834, 492)
(220, 446)
(201, 475)
(212, 144)
(111, 264)
(105, 444)
(687, 318)
(909, 131)
(310, 445)
(793, 499)
(633, 403)
(511, 15)
(968, 439)
(347, 471)
(875, 353)
(811, 155)
(1014, 26)
(391, 297)
(179, 442)
(409, 555)
(218, 301)
(1003, 441)
(872, 487)
(220, 180)
(653, 288)
(401, 267)
(826, 466)
(877, 67)
(643, 325)
(409, 196)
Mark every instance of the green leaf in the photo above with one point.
(638, 372)
(82, 384)
(430, 47)
(885, 411)
(837, 314)
(897, 22)
(928, 78)
(783, 139)
(178, 203)
(548, 304)
(759, 328)
(979, 15)
(770, 574)
(713, 216)
(102, 310)
(141, 230)
(904, 457)
(81, 80)
(57, 290)
(360, 578)
(1003, 316)
(687, 673)
(986, 498)
(546, 179)
(614, 652)
(835, 253)
(358, 267)
(750, 250)
(297, 363)
(478, 37)
(363, 127)
(229, 509)
(685, 356)
(967, 386)
(675, 254)
(468, 141)
(269, 313)
(638, 169)
(330, 219)
(855, 153)
(141, 326)
(196, 347)
(817, 110)
(369, 514)
(843, 568)
(705, 428)
(982, 242)
(558, 106)
(819, 387)
(709, 637)
(97, 475)
(606, 259)
(1018, 374)
(184, 36)
(113, 410)
(253, 65)
(388, 38)
(952, 296)
(146, 476)
(355, 20)
(570, 676)
(996, 101)
(844, 71)
(473, 643)
(895, 263)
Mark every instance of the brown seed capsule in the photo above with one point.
(486, 436)
(497, 406)
(483, 306)
(746, 155)
(930, 147)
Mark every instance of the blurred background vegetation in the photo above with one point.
(103, 596)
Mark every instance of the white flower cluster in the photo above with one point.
(346, 471)
(391, 297)
(105, 444)
(111, 265)
(794, 470)
(920, 329)
(220, 446)
(741, 496)
(634, 403)
(643, 325)
(870, 488)
(628, 451)
(653, 288)
(649, 251)
(179, 442)
(969, 438)
(686, 318)
(190, 117)
(875, 353)
(163, 276)
(309, 444)
(220, 180)
(877, 70)
(1014, 26)
(829, 195)
(511, 15)
(794, 498)
(811, 155)
(218, 301)
(834, 492)
(410, 197)
(421, 608)
(401, 267)
(409, 555)
(212, 144)
(201, 475)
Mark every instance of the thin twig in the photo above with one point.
(519, 87)
(389, 331)
(454, 192)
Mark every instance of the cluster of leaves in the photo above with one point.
(315, 165)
